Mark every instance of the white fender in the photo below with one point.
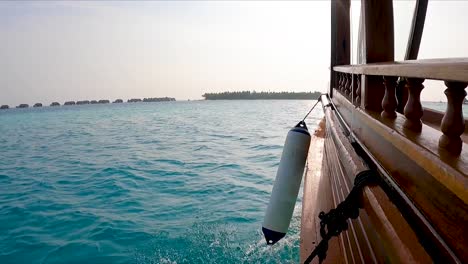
(288, 181)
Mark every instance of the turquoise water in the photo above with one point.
(175, 182)
(441, 106)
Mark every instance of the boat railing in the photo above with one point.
(422, 151)
(454, 74)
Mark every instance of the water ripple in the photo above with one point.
(182, 182)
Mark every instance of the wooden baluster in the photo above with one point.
(343, 83)
(413, 108)
(353, 88)
(346, 85)
(340, 81)
(389, 102)
(336, 80)
(349, 85)
(453, 123)
(357, 100)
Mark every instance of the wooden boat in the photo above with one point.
(416, 211)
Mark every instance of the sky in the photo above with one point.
(59, 51)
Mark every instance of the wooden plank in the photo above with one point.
(317, 197)
(434, 69)
(340, 37)
(421, 148)
(380, 233)
(432, 182)
(310, 234)
(397, 236)
(359, 240)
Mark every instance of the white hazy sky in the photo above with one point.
(58, 51)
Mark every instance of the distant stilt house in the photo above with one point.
(23, 106)
(158, 99)
(134, 100)
(118, 101)
(82, 102)
(103, 101)
(55, 104)
(69, 103)
(4, 107)
(37, 105)
(93, 102)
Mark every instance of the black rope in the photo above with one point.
(335, 221)
(318, 100)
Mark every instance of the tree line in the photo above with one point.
(247, 95)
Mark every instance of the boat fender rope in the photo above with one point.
(335, 221)
(310, 111)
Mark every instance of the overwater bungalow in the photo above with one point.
(55, 104)
(69, 103)
(134, 100)
(93, 102)
(37, 105)
(118, 101)
(103, 101)
(82, 102)
(158, 99)
(4, 107)
(23, 106)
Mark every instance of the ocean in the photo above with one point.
(171, 182)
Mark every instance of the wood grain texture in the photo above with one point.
(317, 197)
(453, 69)
(396, 234)
(380, 234)
(435, 182)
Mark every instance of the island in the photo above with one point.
(247, 95)
(37, 105)
(55, 104)
(84, 102)
(118, 101)
(23, 106)
(4, 107)
(69, 103)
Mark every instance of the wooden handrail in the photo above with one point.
(455, 69)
